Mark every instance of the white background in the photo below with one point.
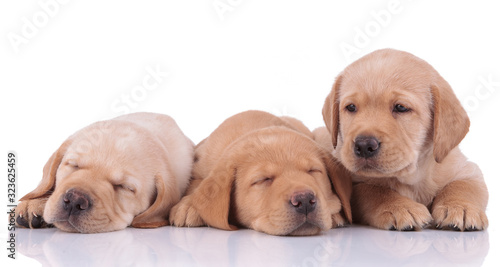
(66, 65)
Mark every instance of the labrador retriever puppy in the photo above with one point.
(266, 173)
(395, 124)
(126, 171)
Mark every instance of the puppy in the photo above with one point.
(126, 171)
(396, 123)
(266, 173)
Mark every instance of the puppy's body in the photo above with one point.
(266, 173)
(396, 124)
(126, 171)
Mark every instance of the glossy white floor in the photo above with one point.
(170, 246)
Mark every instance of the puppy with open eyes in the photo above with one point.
(395, 124)
(266, 173)
(126, 171)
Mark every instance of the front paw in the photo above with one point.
(338, 221)
(29, 214)
(404, 216)
(459, 217)
(185, 215)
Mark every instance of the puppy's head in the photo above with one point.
(388, 109)
(276, 181)
(102, 179)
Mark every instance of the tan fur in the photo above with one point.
(133, 169)
(419, 175)
(229, 189)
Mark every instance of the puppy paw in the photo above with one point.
(185, 215)
(29, 214)
(338, 220)
(406, 216)
(460, 206)
(459, 217)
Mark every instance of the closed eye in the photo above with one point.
(264, 180)
(123, 187)
(72, 163)
(314, 170)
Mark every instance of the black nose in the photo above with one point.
(75, 202)
(366, 146)
(304, 202)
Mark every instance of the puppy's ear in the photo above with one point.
(451, 122)
(341, 181)
(46, 186)
(212, 198)
(331, 111)
(156, 215)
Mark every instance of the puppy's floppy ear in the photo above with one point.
(156, 215)
(212, 198)
(451, 122)
(46, 186)
(331, 110)
(341, 181)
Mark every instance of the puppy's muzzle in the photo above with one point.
(366, 146)
(303, 202)
(75, 202)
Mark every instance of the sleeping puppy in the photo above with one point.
(126, 171)
(396, 123)
(266, 173)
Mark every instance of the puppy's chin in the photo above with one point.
(306, 229)
(291, 225)
(373, 169)
(66, 226)
(73, 226)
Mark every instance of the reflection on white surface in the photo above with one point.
(352, 246)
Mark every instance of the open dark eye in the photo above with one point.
(351, 108)
(400, 108)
